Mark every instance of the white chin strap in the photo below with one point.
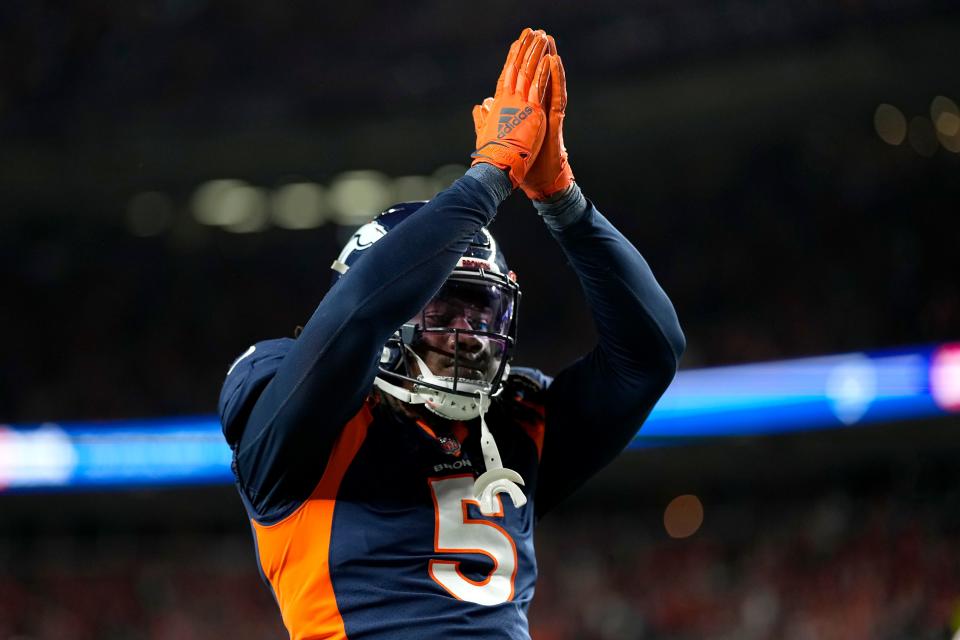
(496, 479)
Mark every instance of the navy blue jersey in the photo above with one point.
(364, 516)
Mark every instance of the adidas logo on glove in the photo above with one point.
(510, 118)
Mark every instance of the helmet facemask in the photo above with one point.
(457, 349)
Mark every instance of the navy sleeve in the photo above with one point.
(595, 406)
(328, 371)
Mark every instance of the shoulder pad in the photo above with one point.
(533, 379)
(525, 388)
(246, 378)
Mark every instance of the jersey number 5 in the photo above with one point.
(456, 532)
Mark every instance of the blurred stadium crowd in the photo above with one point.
(829, 568)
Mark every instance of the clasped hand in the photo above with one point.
(520, 128)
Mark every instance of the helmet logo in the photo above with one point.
(362, 239)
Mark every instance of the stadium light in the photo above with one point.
(683, 516)
(245, 207)
(357, 196)
(407, 188)
(206, 202)
(946, 120)
(890, 123)
(299, 205)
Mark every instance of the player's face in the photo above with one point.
(449, 345)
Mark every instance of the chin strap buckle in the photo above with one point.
(496, 479)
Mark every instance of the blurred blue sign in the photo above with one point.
(774, 397)
(810, 393)
(108, 454)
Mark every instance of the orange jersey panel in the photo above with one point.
(294, 552)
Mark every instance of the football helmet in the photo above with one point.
(467, 332)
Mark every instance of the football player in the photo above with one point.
(392, 462)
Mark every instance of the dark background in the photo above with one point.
(733, 142)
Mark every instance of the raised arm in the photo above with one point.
(283, 430)
(596, 405)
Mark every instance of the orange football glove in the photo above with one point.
(512, 140)
(551, 171)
